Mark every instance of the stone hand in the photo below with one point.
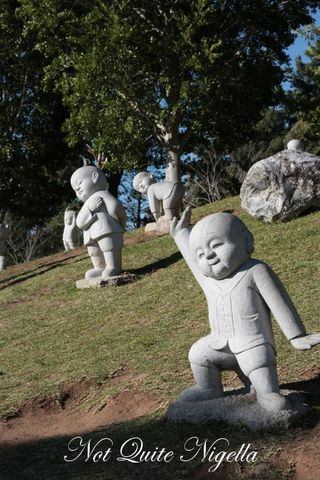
(95, 204)
(184, 222)
(306, 342)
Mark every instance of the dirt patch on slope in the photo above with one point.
(61, 414)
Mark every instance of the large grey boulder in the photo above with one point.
(282, 186)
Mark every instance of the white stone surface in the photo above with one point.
(161, 227)
(70, 231)
(282, 186)
(295, 144)
(240, 410)
(240, 292)
(100, 283)
(165, 195)
(4, 232)
(102, 219)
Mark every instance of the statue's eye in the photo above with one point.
(200, 254)
(215, 245)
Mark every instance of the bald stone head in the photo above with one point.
(220, 243)
(142, 182)
(87, 180)
(295, 145)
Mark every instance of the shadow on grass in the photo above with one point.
(310, 390)
(39, 270)
(152, 267)
(45, 458)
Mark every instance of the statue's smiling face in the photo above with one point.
(218, 246)
(84, 184)
(86, 181)
(144, 184)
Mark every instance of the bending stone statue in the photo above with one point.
(70, 232)
(4, 232)
(167, 194)
(102, 219)
(240, 292)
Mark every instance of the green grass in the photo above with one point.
(51, 332)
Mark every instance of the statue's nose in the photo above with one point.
(209, 253)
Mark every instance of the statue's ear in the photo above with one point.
(249, 242)
(95, 177)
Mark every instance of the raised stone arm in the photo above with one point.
(178, 226)
(180, 231)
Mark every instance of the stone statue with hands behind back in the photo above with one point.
(70, 232)
(240, 292)
(102, 219)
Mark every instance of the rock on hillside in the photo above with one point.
(282, 186)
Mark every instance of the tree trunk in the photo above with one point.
(138, 219)
(173, 173)
(114, 180)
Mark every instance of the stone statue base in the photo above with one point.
(100, 283)
(238, 409)
(161, 227)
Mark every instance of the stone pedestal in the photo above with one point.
(241, 409)
(161, 227)
(100, 283)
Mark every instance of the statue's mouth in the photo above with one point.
(214, 262)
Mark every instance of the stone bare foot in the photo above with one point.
(93, 273)
(197, 394)
(273, 402)
(111, 272)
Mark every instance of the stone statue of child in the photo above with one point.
(102, 219)
(4, 233)
(240, 292)
(70, 231)
(167, 193)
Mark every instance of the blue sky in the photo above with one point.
(300, 45)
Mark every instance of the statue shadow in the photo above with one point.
(39, 270)
(309, 388)
(50, 458)
(154, 266)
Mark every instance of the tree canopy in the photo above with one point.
(136, 76)
(305, 95)
(33, 155)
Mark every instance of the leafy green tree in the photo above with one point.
(174, 71)
(304, 97)
(33, 157)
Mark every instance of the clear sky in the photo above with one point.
(300, 45)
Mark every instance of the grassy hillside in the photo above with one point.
(52, 333)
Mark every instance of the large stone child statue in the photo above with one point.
(240, 292)
(102, 219)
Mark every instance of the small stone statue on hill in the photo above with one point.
(102, 219)
(4, 232)
(70, 232)
(165, 196)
